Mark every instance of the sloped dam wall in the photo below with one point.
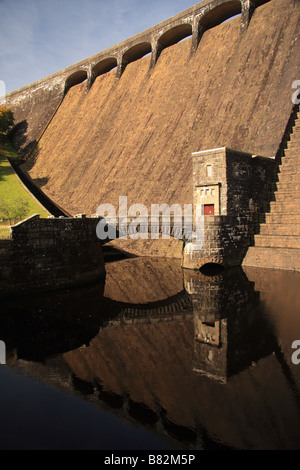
(133, 136)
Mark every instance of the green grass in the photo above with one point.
(11, 188)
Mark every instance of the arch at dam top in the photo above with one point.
(193, 21)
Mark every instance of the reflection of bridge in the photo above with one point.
(175, 308)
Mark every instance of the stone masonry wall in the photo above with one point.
(33, 109)
(50, 253)
(243, 181)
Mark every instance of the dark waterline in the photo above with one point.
(157, 358)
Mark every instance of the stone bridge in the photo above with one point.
(176, 308)
(146, 227)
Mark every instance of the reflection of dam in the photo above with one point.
(162, 374)
(174, 308)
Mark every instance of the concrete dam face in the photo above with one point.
(134, 136)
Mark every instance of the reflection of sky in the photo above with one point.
(42, 418)
(38, 38)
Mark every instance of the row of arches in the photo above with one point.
(192, 27)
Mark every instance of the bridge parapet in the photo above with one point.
(145, 227)
(191, 22)
(35, 104)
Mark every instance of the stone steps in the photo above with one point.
(286, 206)
(290, 158)
(292, 145)
(282, 218)
(288, 167)
(275, 258)
(289, 162)
(291, 148)
(280, 229)
(282, 186)
(289, 177)
(277, 245)
(288, 196)
(278, 241)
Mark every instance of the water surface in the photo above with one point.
(155, 358)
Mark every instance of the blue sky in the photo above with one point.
(40, 37)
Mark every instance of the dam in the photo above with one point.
(130, 121)
(159, 343)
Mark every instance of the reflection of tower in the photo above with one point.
(230, 329)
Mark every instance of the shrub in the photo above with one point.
(6, 119)
(14, 209)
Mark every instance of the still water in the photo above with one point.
(155, 358)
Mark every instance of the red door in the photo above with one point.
(209, 209)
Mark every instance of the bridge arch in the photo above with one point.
(132, 54)
(221, 13)
(104, 66)
(137, 52)
(214, 17)
(76, 78)
(174, 35)
(169, 38)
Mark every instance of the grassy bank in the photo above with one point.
(12, 190)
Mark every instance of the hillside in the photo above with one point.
(11, 189)
(135, 137)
